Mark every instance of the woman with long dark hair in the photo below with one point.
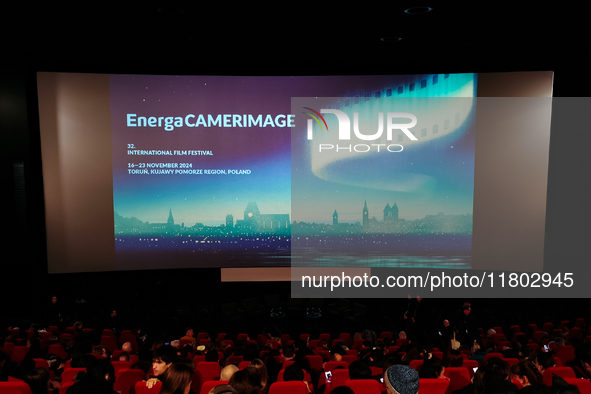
(178, 379)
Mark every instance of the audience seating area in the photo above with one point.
(564, 342)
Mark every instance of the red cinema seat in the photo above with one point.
(350, 358)
(393, 349)
(69, 374)
(109, 343)
(376, 371)
(288, 388)
(575, 332)
(41, 363)
(220, 336)
(127, 336)
(364, 386)
(490, 355)
(324, 336)
(386, 334)
(58, 350)
(141, 388)
(563, 372)
(358, 344)
(331, 365)
(433, 386)
(565, 353)
(325, 354)
(304, 337)
(8, 346)
(285, 339)
(498, 338)
(537, 336)
(125, 379)
(261, 340)
(18, 353)
(583, 385)
(55, 330)
(338, 379)
(208, 386)
(401, 341)
(235, 360)
(45, 336)
(14, 388)
(199, 359)
(204, 372)
(459, 377)
(119, 365)
(416, 364)
(109, 333)
(243, 364)
(315, 362)
(470, 364)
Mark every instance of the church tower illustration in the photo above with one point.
(390, 213)
(335, 218)
(365, 215)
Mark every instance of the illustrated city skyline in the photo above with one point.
(255, 221)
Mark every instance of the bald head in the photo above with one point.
(228, 371)
(126, 347)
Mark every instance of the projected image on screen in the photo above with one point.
(202, 172)
(379, 200)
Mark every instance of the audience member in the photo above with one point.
(247, 381)
(359, 370)
(39, 382)
(162, 359)
(401, 379)
(527, 373)
(178, 379)
(259, 365)
(98, 379)
(189, 335)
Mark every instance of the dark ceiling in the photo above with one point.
(292, 39)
